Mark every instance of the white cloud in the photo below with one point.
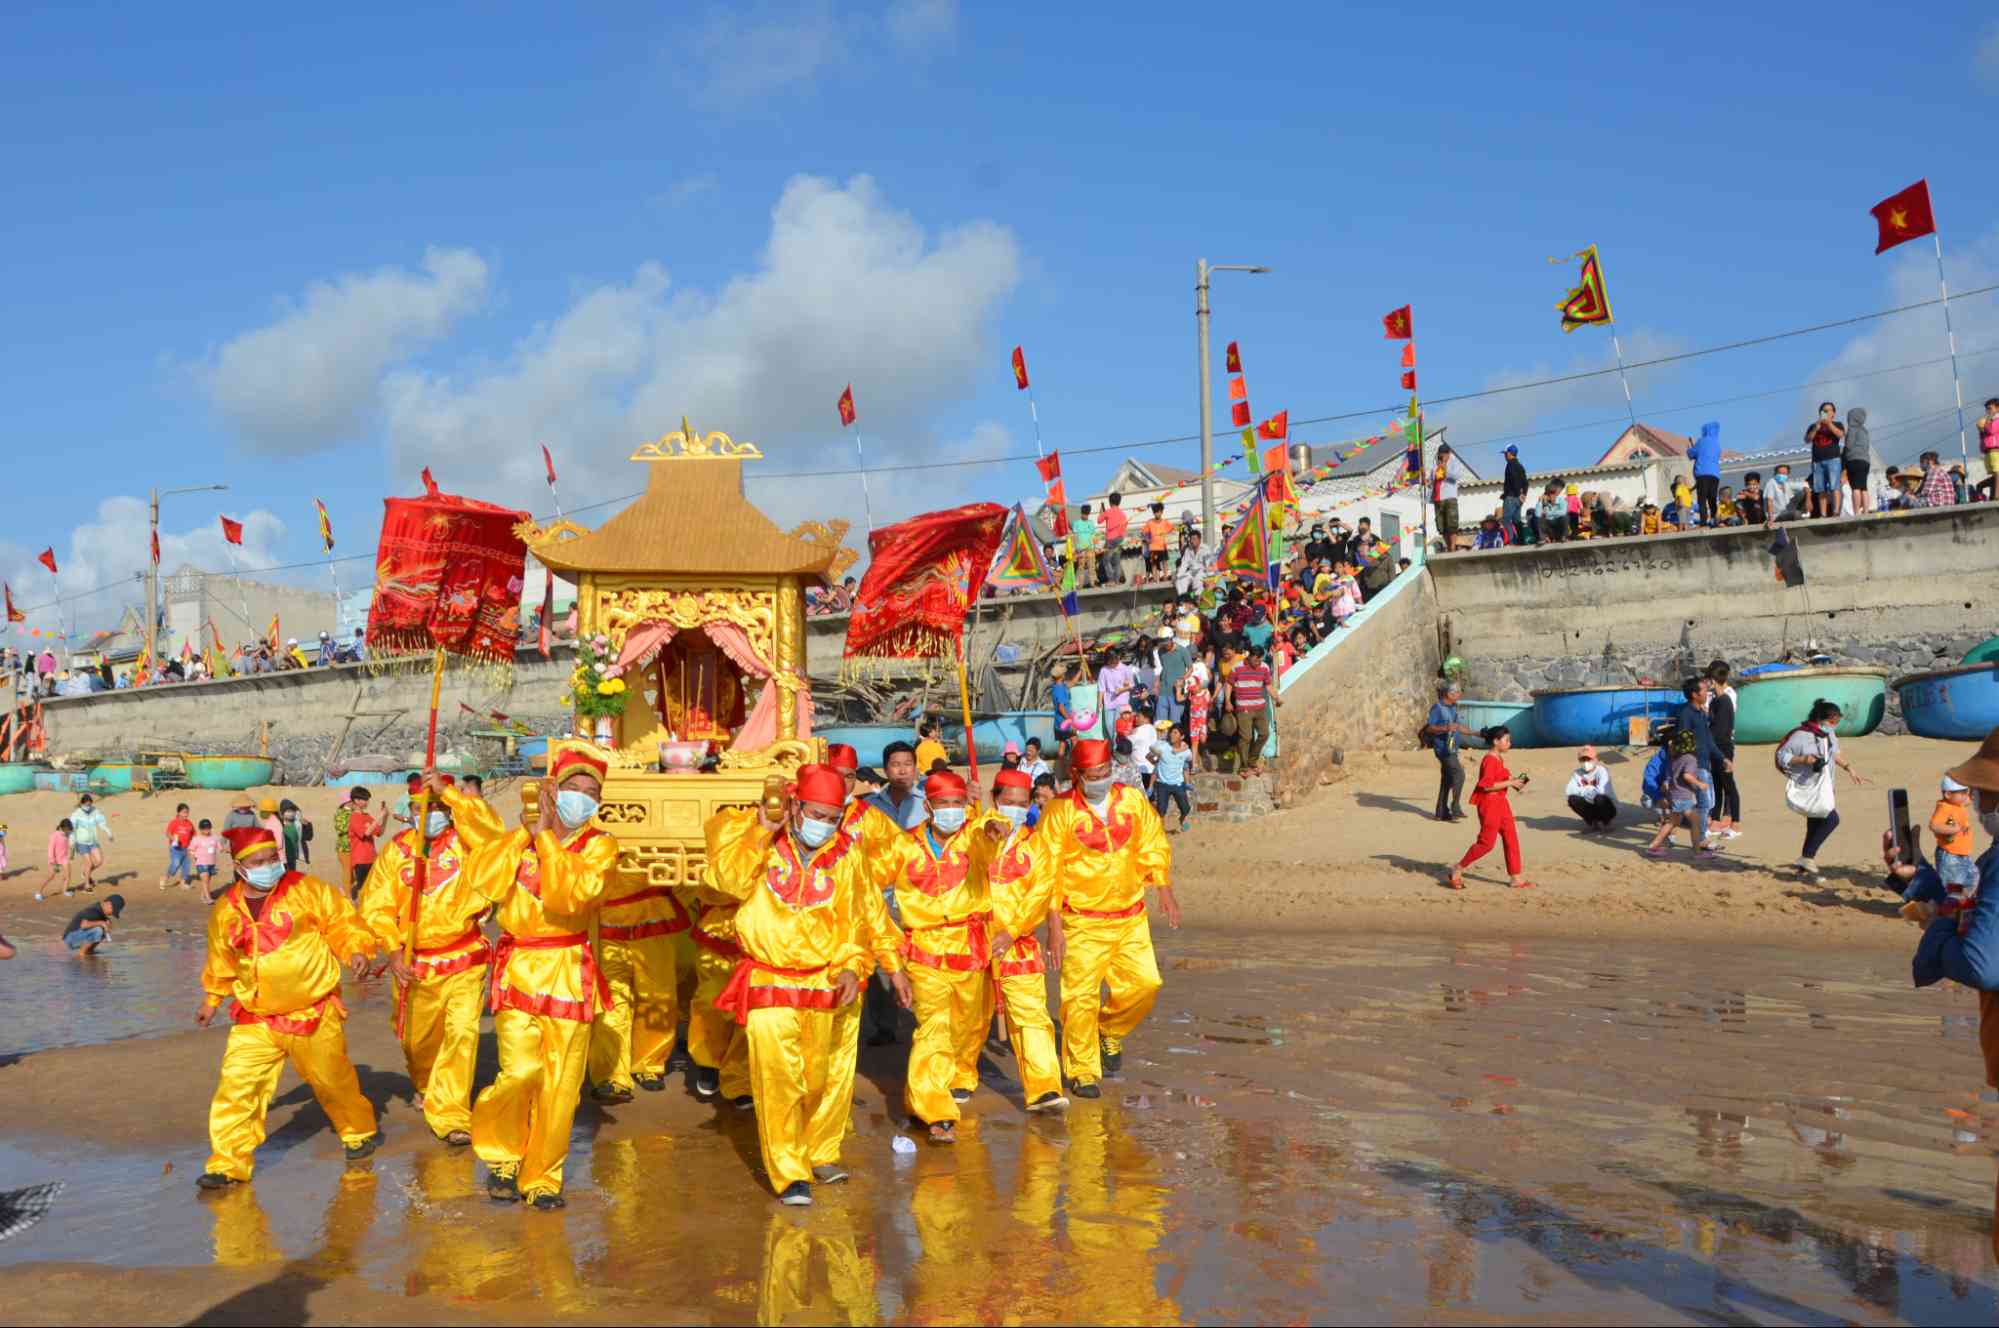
(308, 379)
(1913, 409)
(1478, 425)
(922, 24)
(847, 289)
(110, 552)
(1985, 60)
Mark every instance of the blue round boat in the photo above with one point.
(994, 732)
(229, 771)
(867, 740)
(1518, 716)
(1572, 716)
(17, 776)
(1960, 703)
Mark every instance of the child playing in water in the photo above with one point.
(58, 861)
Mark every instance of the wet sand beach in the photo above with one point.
(1644, 1092)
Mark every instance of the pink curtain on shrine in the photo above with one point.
(645, 641)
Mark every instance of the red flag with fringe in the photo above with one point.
(448, 575)
(924, 575)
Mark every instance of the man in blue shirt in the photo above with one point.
(1442, 732)
(902, 802)
(1693, 719)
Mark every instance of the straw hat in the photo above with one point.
(1981, 771)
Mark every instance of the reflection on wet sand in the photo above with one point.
(1656, 1138)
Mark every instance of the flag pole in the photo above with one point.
(1617, 349)
(965, 703)
(867, 504)
(1963, 449)
(1035, 415)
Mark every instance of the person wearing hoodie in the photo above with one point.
(1859, 457)
(1707, 471)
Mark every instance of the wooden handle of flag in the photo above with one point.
(420, 878)
(965, 701)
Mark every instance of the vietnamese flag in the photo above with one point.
(1398, 324)
(1050, 467)
(1020, 368)
(1277, 426)
(1234, 364)
(1904, 216)
(846, 406)
(47, 558)
(1239, 412)
(232, 530)
(14, 615)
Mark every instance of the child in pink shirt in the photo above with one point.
(202, 850)
(58, 861)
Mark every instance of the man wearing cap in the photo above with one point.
(802, 885)
(276, 941)
(939, 874)
(546, 986)
(1106, 847)
(640, 931)
(1964, 946)
(1022, 887)
(440, 972)
(1513, 495)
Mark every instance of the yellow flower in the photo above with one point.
(617, 685)
(606, 688)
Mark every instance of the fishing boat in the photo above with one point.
(1518, 716)
(228, 771)
(1572, 716)
(994, 731)
(17, 776)
(1770, 702)
(1960, 703)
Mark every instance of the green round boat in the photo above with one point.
(17, 777)
(228, 772)
(121, 776)
(1984, 652)
(1769, 705)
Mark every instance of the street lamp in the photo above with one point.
(153, 568)
(1201, 271)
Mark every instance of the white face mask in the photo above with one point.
(265, 875)
(950, 820)
(1017, 815)
(437, 823)
(1096, 790)
(813, 832)
(1589, 767)
(574, 807)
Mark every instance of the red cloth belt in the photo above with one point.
(457, 963)
(1024, 957)
(975, 934)
(639, 931)
(740, 997)
(716, 945)
(1131, 912)
(499, 996)
(298, 1023)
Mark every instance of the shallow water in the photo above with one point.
(129, 989)
(1395, 1129)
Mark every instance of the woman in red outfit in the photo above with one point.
(1495, 813)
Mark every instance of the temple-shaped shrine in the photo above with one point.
(698, 600)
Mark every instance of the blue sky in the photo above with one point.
(306, 254)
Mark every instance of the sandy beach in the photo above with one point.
(1643, 1086)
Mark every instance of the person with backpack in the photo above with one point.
(1805, 758)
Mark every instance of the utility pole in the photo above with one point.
(153, 584)
(1201, 274)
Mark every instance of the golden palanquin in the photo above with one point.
(702, 600)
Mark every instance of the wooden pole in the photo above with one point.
(421, 876)
(965, 701)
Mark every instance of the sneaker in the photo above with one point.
(1733, 832)
(707, 1081)
(214, 1180)
(548, 1203)
(743, 1103)
(1113, 1054)
(1049, 1102)
(651, 1083)
(500, 1188)
(679, 1062)
(1086, 1089)
(609, 1095)
(1654, 851)
(798, 1194)
(1808, 869)
(366, 1148)
(38, 896)
(830, 1174)
(961, 1095)
(459, 1138)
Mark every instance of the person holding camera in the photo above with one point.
(1826, 436)
(1495, 812)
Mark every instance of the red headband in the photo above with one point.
(248, 838)
(1013, 779)
(944, 784)
(1090, 753)
(821, 784)
(843, 758)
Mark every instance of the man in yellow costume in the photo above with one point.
(1105, 847)
(276, 941)
(1022, 888)
(546, 988)
(939, 873)
(715, 1042)
(639, 934)
(804, 931)
(441, 985)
